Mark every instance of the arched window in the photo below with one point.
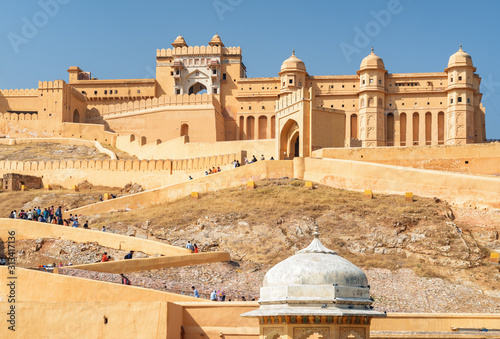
(428, 128)
(250, 128)
(402, 129)
(262, 127)
(390, 129)
(354, 126)
(441, 128)
(416, 128)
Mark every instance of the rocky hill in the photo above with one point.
(421, 256)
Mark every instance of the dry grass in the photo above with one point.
(45, 151)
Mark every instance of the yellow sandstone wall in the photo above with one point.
(456, 188)
(180, 148)
(470, 158)
(117, 173)
(34, 230)
(225, 179)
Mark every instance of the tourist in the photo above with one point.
(86, 225)
(190, 246)
(218, 169)
(30, 214)
(262, 157)
(206, 172)
(129, 255)
(246, 161)
(105, 257)
(66, 222)
(254, 159)
(272, 158)
(190, 178)
(60, 221)
(195, 248)
(196, 294)
(58, 212)
(243, 298)
(238, 163)
(125, 280)
(54, 221)
(213, 295)
(2, 261)
(14, 214)
(75, 223)
(103, 228)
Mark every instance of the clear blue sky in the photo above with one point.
(118, 39)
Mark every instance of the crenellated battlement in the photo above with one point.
(18, 116)
(169, 166)
(174, 100)
(198, 50)
(51, 85)
(19, 92)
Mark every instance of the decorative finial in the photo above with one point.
(316, 246)
(372, 48)
(316, 230)
(293, 51)
(460, 47)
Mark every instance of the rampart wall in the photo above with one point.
(470, 158)
(161, 102)
(214, 182)
(34, 230)
(117, 173)
(180, 148)
(456, 188)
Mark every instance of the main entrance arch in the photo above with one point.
(289, 140)
(197, 88)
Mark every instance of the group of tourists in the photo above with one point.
(217, 295)
(192, 247)
(49, 215)
(212, 170)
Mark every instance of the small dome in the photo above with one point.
(315, 265)
(372, 61)
(216, 41)
(293, 64)
(315, 281)
(179, 42)
(460, 58)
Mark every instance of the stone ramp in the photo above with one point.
(148, 264)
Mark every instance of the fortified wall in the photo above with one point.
(117, 173)
(471, 158)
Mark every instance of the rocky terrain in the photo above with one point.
(424, 256)
(47, 151)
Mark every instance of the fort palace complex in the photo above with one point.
(403, 134)
(201, 93)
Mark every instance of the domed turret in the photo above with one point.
(460, 58)
(179, 42)
(315, 281)
(293, 64)
(216, 41)
(372, 61)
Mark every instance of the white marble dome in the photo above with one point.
(315, 281)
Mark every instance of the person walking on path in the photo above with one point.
(213, 296)
(196, 294)
(129, 255)
(125, 280)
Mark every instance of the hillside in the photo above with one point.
(424, 256)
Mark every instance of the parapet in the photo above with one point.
(19, 92)
(198, 50)
(173, 100)
(291, 98)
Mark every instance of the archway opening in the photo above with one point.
(402, 129)
(76, 116)
(184, 130)
(428, 128)
(354, 126)
(289, 140)
(197, 88)
(416, 128)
